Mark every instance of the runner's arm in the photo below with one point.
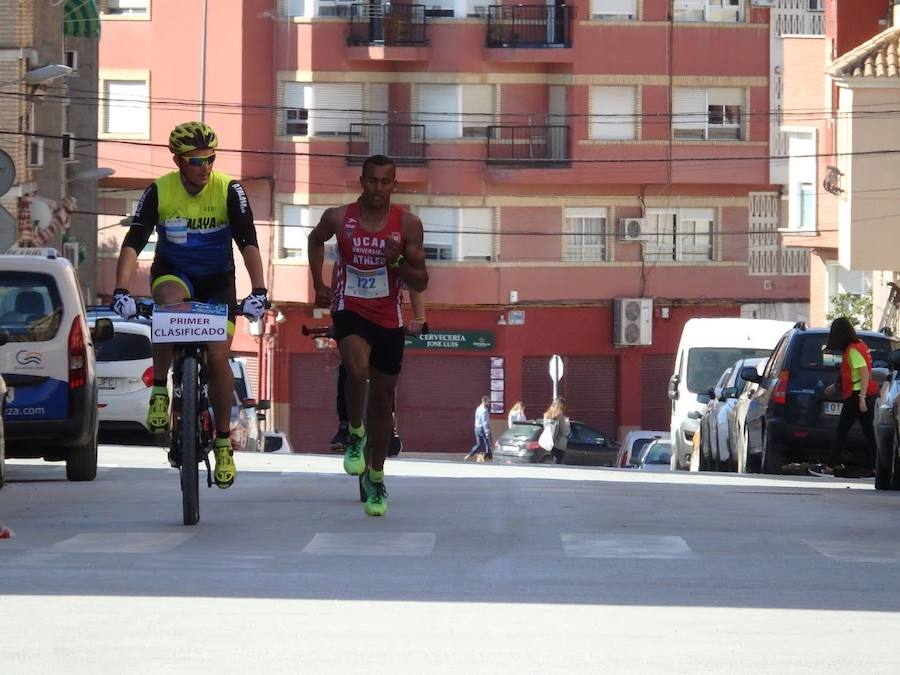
(412, 263)
(243, 232)
(145, 218)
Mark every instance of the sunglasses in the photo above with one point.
(200, 161)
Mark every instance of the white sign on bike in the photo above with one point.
(190, 322)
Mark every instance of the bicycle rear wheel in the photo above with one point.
(189, 436)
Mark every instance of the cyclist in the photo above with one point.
(197, 213)
(378, 247)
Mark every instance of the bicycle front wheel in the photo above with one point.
(189, 436)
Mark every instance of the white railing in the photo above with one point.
(763, 241)
(795, 261)
(794, 17)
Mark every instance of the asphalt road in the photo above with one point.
(476, 569)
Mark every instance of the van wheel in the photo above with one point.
(81, 464)
(772, 456)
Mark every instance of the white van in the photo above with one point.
(706, 349)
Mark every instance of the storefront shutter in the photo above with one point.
(656, 408)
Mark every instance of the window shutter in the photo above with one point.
(127, 109)
(294, 7)
(613, 113)
(726, 97)
(477, 109)
(689, 110)
(441, 227)
(613, 8)
(439, 110)
(472, 244)
(334, 107)
(378, 104)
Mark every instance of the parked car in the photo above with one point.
(247, 406)
(635, 441)
(887, 424)
(706, 348)
(791, 419)
(709, 445)
(736, 416)
(124, 372)
(656, 456)
(48, 362)
(586, 446)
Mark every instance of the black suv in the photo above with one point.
(791, 419)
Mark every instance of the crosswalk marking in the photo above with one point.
(625, 546)
(371, 544)
(865, 552)
(122, 542)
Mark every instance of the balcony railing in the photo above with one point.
(397, 25)
(546, 145)
(530, 26)
(404, 143)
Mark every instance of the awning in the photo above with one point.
(81, 18)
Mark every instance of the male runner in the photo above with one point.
(378, 247)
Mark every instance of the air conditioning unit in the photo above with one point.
(72, 252)
(632, 321)
(632, 229)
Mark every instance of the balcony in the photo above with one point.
(529, 146)
(388, 25)
(529, 26)
(404, 143)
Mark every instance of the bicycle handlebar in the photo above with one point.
(145, 309)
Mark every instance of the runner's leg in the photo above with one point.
(381, 424)
(355, 352)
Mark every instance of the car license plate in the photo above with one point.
(106, 383)
(832, 408)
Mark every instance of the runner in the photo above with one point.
(378, 247)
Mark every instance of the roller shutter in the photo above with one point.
(656, 369)
(313, 392)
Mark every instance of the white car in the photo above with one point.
(634, 443)
(124, 373)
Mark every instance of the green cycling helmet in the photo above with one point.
(192, 136)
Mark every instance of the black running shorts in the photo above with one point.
(386, 344)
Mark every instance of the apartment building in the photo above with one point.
(48, 56)
(590, 176)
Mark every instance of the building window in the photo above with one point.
(464, 234)
(72, 61)
(613, 113)
(68, 146)
(127, 107)
(613, 9)
(585, 234)
(127, 7)
(722, 11)
(36, 152)
(816, 5)
(807, 206)
(707, 114)
(321, 109)
(296, 224)
(451, 111)
(680, 235)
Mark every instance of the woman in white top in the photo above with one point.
(557, 423)
(517, 413)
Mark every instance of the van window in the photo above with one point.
(30, 306)
(706, 364)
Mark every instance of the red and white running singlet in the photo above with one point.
(362, 282)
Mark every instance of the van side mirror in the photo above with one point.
(103, 330)
(749, 374)
(673, 386)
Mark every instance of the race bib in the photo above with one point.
(176, 230)
(367, 284)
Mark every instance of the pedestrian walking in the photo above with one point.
(554, 437)
(516, 413)
(482, 432)
(858, 389)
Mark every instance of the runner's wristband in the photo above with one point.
(399, 261)
(258, 291)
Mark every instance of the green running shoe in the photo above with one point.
(226, 471)
(355, 455)
(376, 499)
(158, 415)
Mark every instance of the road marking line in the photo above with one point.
(625, 546)
(123, 542)
(373, 544)
(857, 551)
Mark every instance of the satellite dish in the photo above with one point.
(7, 230)
(7, 172)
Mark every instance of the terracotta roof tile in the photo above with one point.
(876, 58)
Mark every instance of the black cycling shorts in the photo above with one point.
(386, 344)
(217, 289)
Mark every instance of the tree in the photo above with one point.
(857, 308)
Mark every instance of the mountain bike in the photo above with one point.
(191, 428)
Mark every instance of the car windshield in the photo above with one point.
(659, 452)
(124, 347)
(705, 364)
(30, 306)
(520, 432)
(814, 356)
